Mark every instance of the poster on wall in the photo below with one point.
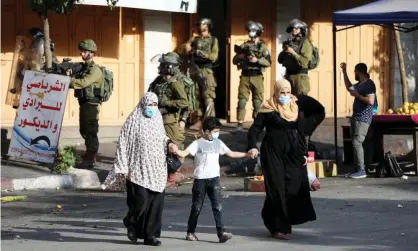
(39, 117)
(185, 6)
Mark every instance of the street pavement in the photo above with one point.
(362, 215)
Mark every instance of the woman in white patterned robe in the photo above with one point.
(140, 165)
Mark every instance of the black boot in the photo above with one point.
(132, 234)
(152, 242)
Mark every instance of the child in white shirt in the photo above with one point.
(206, 151)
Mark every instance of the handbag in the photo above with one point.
(313, 181)
(173, 162)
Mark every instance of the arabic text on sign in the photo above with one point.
(46, 124)
(59, 86)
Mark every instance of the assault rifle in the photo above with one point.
(66, 65)
(249, 50)
(288, 43)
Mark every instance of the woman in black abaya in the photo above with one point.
(283, 160)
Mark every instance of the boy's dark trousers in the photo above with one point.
(212, 188)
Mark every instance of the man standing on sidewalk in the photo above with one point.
(252, 57)
(364, 93)
(85, 85)
(169, 86)
(298, 57)
(203, 51)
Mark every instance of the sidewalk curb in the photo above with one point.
(76, 179)
(80, 179)
(43, 182)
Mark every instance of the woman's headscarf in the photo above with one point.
(287, 112)
(141, 150)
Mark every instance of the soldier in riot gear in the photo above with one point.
(252, 57)
(296, 57)
(86, 89)
(172, 98)
(34, 58)
(203, 51)
(37, 46)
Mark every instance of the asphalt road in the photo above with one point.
(361, 215)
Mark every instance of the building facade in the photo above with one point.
(128, 38)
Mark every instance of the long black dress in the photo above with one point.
(288, 201)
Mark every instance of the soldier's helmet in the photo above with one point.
(296, 23)
(87, 45)
(169, 63)
(35, 32)
(261, 28)
(170, 58)
(252, 26)
(206, 21)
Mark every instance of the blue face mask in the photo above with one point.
(150, 111)
(284, 100)
(252, 34)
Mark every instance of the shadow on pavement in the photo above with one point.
(362, 224)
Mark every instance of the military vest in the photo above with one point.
(87, 93)
(204, 44)
(289, 60)
(163, 91)
(258, 50)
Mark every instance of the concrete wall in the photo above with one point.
(409, 42)
(286, 11)
(157, 39)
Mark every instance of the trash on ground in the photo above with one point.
(13, 198)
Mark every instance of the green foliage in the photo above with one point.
(59, 6)
(66, 159)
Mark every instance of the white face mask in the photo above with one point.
(252, 34)
(213, 135)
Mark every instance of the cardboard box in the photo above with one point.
(252, 185)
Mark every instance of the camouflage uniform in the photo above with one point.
(297, 64)
(209, 48)
(251, 79)
(172, 98)
(89, 102)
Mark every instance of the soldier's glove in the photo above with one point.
(202, 54)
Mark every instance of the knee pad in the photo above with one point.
(257, 104)
(242, 103)
(208, 101)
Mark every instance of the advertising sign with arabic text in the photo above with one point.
(39, 117)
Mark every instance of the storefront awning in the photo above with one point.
(379, 12)
(185, 6)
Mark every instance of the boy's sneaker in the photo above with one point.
(359, 175)
(224, 237)
(191, 237)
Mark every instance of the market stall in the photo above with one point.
(385, 13)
